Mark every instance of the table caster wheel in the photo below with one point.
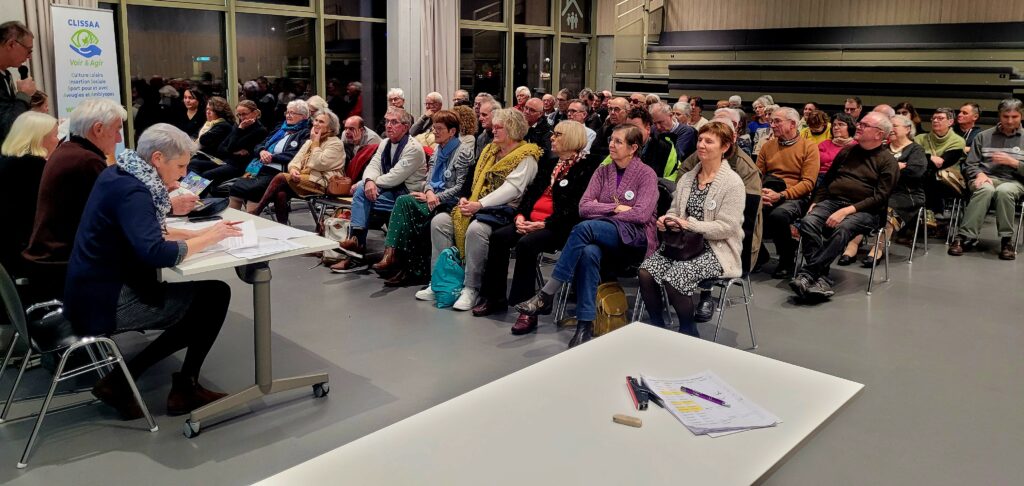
(321, 390)
(191, 429)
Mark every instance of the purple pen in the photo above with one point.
(709, 398)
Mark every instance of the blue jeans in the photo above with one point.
(362, 207)
(581, 257)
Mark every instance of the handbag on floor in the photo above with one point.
(447, 277)
(337, 228)
(611, 308)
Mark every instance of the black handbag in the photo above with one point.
(680, 244)
(496, 216)
(210, 207)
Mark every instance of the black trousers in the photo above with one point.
(777, 220)
(217, 174)
(528, 248)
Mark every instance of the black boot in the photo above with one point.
(584, 332)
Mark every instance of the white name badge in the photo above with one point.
(1016, 150)
(563, 183)
(711, 205)
(447, 174)
(294, 144)
(630, 195)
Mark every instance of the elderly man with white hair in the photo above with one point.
(851, 200)
(789, 165)
(112, 283)
(433, 103)
(461, 97)
(886, 110)
(487, 108)
(67, 180)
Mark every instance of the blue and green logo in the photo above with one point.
(85, 43)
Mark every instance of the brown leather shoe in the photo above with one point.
(352, 247)
(113, 390)
(1008, 252)
(187, 395)
(488, 307)
(404, 278)
(524, 325)
(387, 262)
(956, 248)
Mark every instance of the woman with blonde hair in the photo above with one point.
(549, 211)
(32, 138)
(316, 105)
(320, 158)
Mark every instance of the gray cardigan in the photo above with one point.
(459, 164)
(722, 225)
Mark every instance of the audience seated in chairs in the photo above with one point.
(499, 179)
(843, 128)
(272, 155)
(850, 201)
(406, 258)
(709, 201)
(548, 212)
(945, 150)
(994, 171)
(397, 168)
(236, 150)
(908, 195)
(112, 284)
(32, 138)
(619, 208)
(320, 158)
(793, 159)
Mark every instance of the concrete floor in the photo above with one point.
(938, 348)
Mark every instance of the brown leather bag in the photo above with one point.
(339, 186)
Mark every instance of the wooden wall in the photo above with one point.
(696, 15)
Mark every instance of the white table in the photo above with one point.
(551, 423)
(257, 273)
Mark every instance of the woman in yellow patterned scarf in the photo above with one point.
(505, 168)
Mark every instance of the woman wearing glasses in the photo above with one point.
(548, 212)
(271, 156)
(618, 208)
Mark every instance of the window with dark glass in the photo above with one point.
(356, 8)
(277, 54)
(287, 3)
(572, 71)
(533, 12)
(482, 10)
(482, 62)
(356, 52)
(532, 66)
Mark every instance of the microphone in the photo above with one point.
(23, 71)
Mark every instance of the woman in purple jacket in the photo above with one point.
(619, 208)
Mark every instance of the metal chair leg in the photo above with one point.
(874, 263)
(1020, 228)
(46, 405)
(799, 256)
(14, 387)
(917, 227)
(721, 309)
(885, 235)
(112, 347)
(7, 356)
(746, 305)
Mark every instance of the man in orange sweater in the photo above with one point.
(793, 160)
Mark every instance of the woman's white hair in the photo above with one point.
(166, 139)
(316, 103)
(333, 123)
(900, 120)
(93, 111)
(396, 92)
(299, 106)
(523, 89)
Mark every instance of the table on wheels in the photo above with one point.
(255, 272)
(551, 423)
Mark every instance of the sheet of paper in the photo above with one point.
(265, 247)
(282, 232)
(248, 239)
(182, 223)
(704, 417)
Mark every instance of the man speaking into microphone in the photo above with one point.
(15, 95)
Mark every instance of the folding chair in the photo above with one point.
(920, 227)
(879, 234)
(53, 334)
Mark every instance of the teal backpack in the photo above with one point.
(447, 277)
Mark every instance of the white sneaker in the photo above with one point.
(466, 300)
(426, 294)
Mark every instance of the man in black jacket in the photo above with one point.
(655, 150)
(540, 131)
(15, 96)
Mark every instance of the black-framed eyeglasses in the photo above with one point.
(22, 44)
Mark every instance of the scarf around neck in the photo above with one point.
(130, 162)
(438, 173)
(207, 126)
(283, 132)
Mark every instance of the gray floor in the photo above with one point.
(938, 348)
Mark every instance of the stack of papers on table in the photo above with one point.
(247, 240)
(282, 232)
(265, 247)
(705, 417)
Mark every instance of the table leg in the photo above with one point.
(258, 275)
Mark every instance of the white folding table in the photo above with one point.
(257, 273)
(551, 423)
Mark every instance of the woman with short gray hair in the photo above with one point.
(111, 281)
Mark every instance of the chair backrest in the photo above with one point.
(750, 209)
(12, 303)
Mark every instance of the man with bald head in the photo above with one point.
(617, 111)
(540, 131)
(433, 103)
(886, 110)
(851, 200)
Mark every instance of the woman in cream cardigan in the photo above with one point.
(709, 200)
(319, 159)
